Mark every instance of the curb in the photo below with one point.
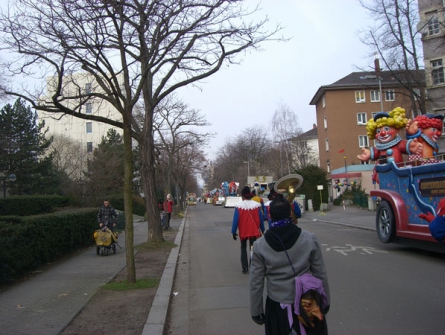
(346, 225)
(157, 317)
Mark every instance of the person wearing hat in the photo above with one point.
(389, 146)
(248, 222)
(427, 129)
(285, 257)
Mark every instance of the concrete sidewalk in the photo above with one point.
(48, 302)
(352, 216)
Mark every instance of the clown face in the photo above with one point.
(432, 133)
(386, 134)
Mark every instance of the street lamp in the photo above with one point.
(11, 177)
(248, 168)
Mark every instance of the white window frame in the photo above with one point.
(390, 95)
(437, 72)
(362, 118)
(374, 96)
(326, 142)
(323, 101)
(363, 141)
(325, 123)
(328, 167)
(360, 97)
(433, 25)
(89, 127)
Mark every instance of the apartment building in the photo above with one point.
(87, 132)
(343, 109)
(432, 28)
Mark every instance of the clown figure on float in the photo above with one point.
(427, 129)
(389, 146)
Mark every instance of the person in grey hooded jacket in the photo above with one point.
(271, 262)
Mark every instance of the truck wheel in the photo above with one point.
(97, 250)
(385, 223)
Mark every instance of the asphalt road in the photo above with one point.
(375, 288)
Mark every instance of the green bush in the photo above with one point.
(338, 201)
(32, 205)
(29, 242)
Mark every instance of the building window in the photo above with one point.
(373, 114)
(89, 127)
(325, 123)
(323, 101)
(326, 142)
(389, 95)
(360, 96)
(328, 167)
(363, 141)
(375, 96)
(361, 118)
(89, 147)
(89, 108)
(437, 72)
(433, 23)
(88, 88)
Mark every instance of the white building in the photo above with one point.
(87, 132)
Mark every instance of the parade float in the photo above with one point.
(409, 191)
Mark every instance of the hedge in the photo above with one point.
(30, 242)
(32, 205)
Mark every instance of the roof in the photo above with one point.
(370, 80)
(310, 134)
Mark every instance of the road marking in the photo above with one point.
(351, 248)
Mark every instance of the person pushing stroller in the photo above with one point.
(107, 216)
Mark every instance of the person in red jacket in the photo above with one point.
(248, 221)
(168, 208)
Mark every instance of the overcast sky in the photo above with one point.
(325, 47)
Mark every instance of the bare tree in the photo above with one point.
(246, 153)
(285, 127)
(69, 157)
(394, 37)
(187, 162)
(174, 124)
(134, 50)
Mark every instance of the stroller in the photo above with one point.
(106, 241)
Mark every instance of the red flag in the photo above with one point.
(341, 151)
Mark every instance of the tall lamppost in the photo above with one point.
(11, 177)
(248, 168)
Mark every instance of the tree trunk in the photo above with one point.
(148, 184)
(128, 203)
